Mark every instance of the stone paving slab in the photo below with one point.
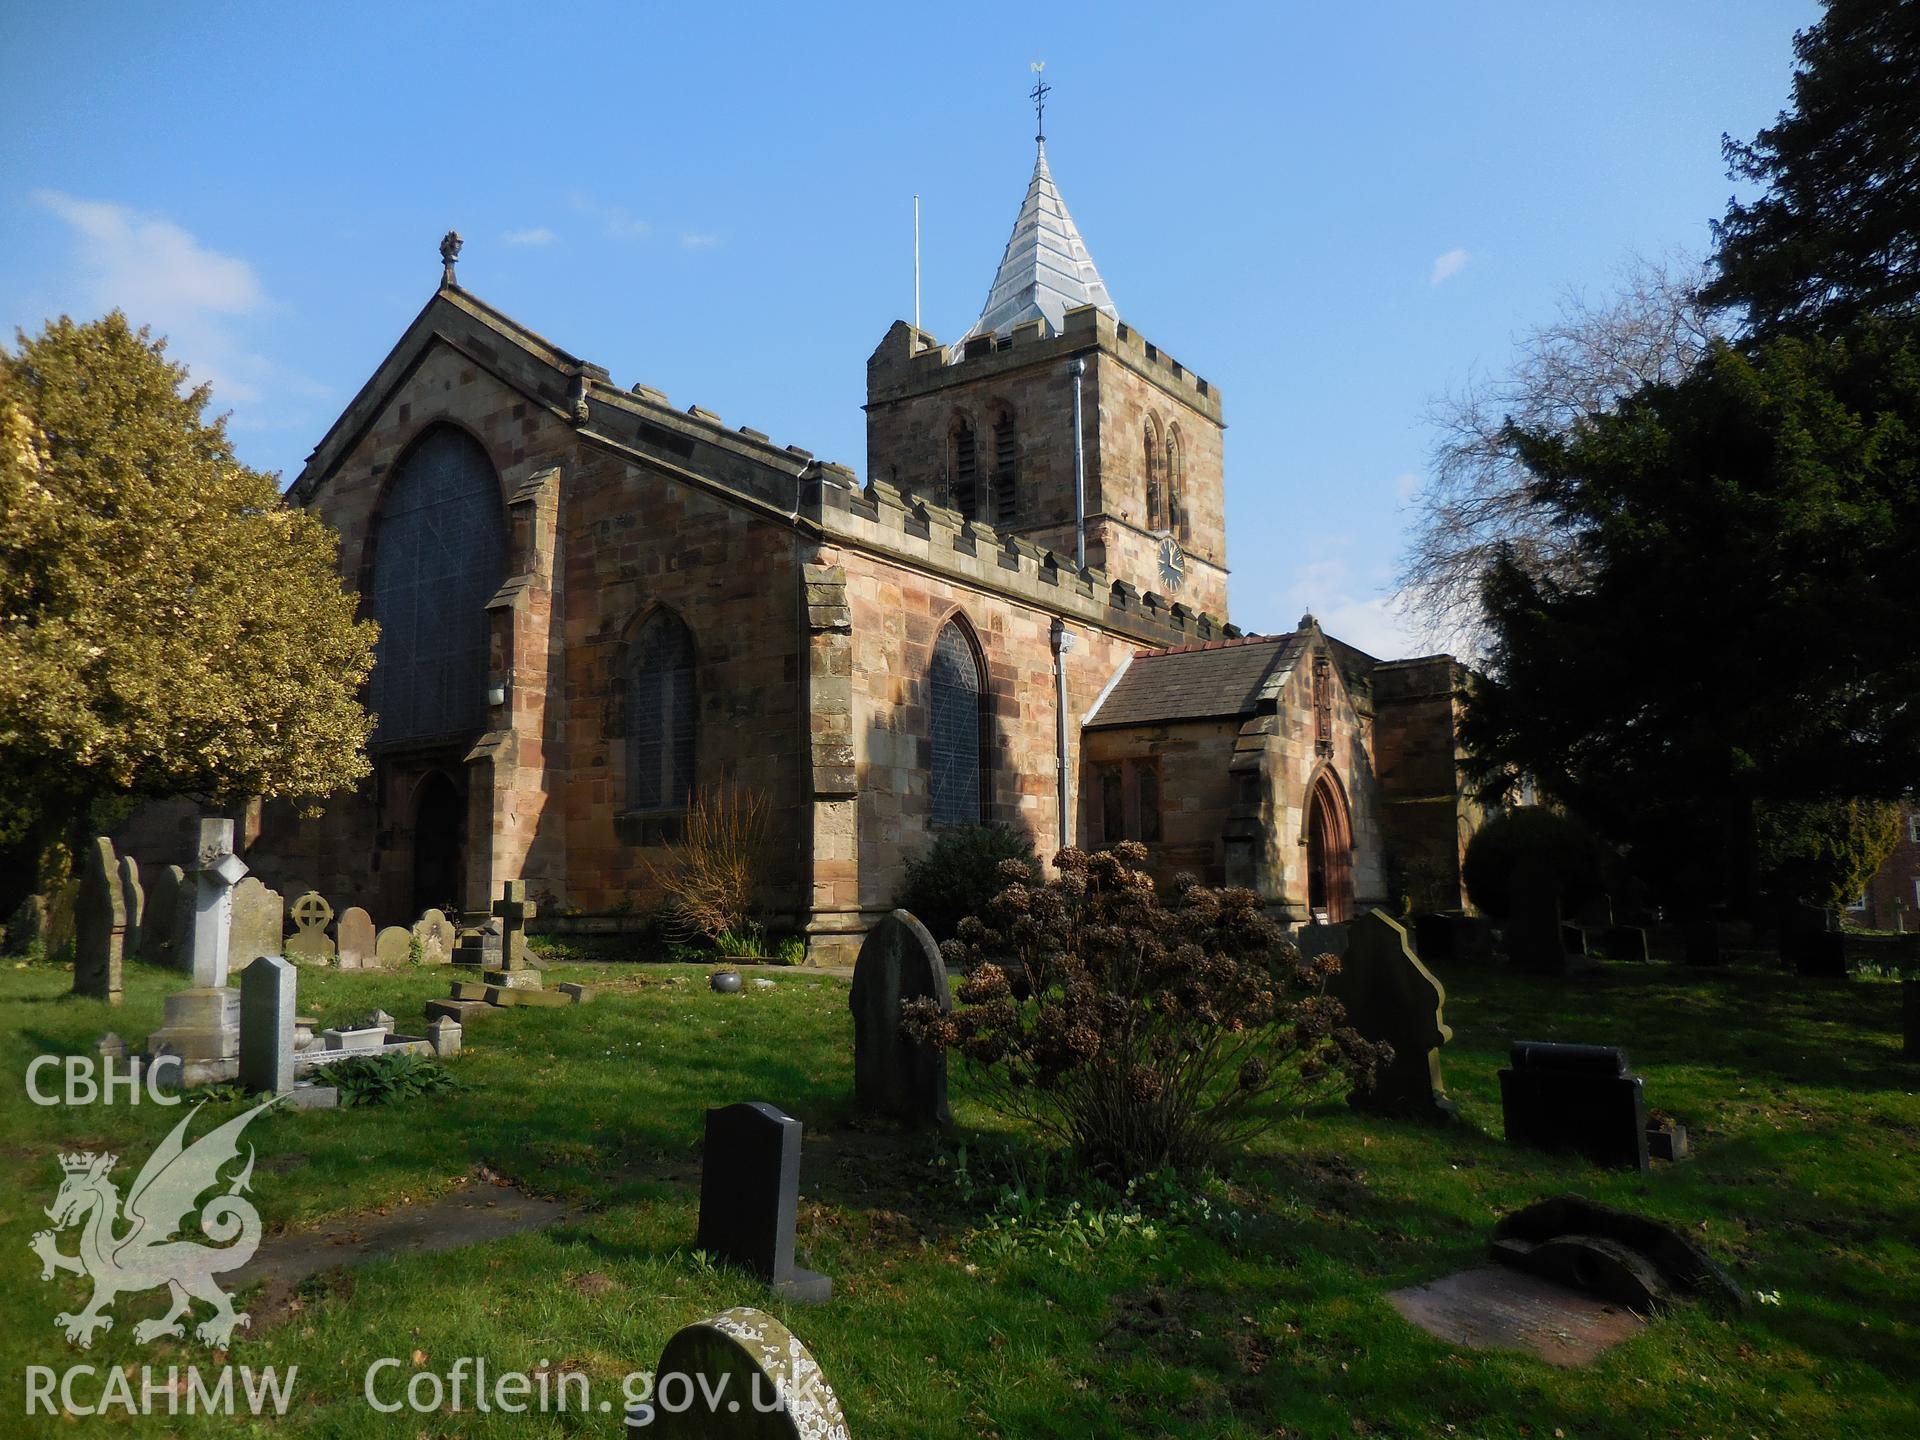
(1501, 1309)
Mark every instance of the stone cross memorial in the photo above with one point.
(266, 1025)
(749, 1192)
(1575, 1097)
(893, 1075)
(100, 925)
(514, 910)
(310, 941)
(214, 877)
(1390, 996)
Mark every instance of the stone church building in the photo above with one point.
(595, 604)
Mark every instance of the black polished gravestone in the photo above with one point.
(1575, 1097)
(1812, 944)
(749, 1190)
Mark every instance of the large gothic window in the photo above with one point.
(659, 715)
(439, 556)
(955, 703)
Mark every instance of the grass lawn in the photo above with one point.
(951, 1319)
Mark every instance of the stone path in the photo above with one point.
(472, 1215)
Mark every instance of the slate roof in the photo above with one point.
(1196, 682)
(1046, 270)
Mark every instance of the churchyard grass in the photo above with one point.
(1259, 1314)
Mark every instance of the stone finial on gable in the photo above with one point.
(450, 245)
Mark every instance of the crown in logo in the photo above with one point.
(81, 1162)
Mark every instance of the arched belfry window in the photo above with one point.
(963, 468)
(957, 715)
(440, 553)
(1006, 469)
(1156, 478)
(659, 715)
(1176, 485)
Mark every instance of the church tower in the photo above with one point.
(987, 426)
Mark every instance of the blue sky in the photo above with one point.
(1333, 212)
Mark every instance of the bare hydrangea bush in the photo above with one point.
(1139, 1031)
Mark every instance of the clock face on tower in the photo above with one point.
(1173, 564)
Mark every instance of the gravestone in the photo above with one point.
(444, 1035)
(513, 910)
(163, 906)
(1812, 944)
(259, 922)
(749, 1192)
(1496, 1308)
(393, 947)
(1575, 1097)
(356, 938)
(1321, 939)
(310, 942)
(1389, 995)
(1536, 943)
(135, 900)
(435, 933)
(748, 1363)
(893, 1074)
(100, 924)
(62, 920)
(201, 1026)
(267, 988)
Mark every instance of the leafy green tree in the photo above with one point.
(1571, 852)
(1739, 626)
(167, 624)
(1837, 233)
(1824, 852)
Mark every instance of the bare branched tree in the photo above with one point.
(1651, 329)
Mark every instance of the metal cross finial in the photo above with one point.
(449, 253)
(1039, 95)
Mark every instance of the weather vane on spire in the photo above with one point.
(1039, 95)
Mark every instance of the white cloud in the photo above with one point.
(1327, 587)
(1446, 266)
(538, 235)
(615, 222)
(701, 240)
(203, 301)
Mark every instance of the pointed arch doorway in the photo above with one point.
(1329, 852)
(439, 844)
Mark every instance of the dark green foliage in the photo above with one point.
(960, 874)
(1837, 233)
(1497, 847)
(1824, 853)
(1737, 628)
(383, 1079)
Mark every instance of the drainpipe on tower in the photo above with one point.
(1079, 481)
(1062, 643)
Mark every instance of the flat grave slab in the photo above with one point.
(1495, 1308)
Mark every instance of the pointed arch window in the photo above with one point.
(956, 705)
(1006, 469)
(440, 553)
(1156, 478)
(963, 469)
(659, 696)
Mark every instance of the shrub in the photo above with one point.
(747, 943)
(1156, 1035)
(1823, 853)
(960, 874)
(1568, 847)
(710, 879)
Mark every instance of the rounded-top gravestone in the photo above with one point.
(356, 938)
(436, 938)
(893, 1074)
(393, 947)
(157, 923)
(764, 1384)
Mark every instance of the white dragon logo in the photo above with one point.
(147, 1255)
